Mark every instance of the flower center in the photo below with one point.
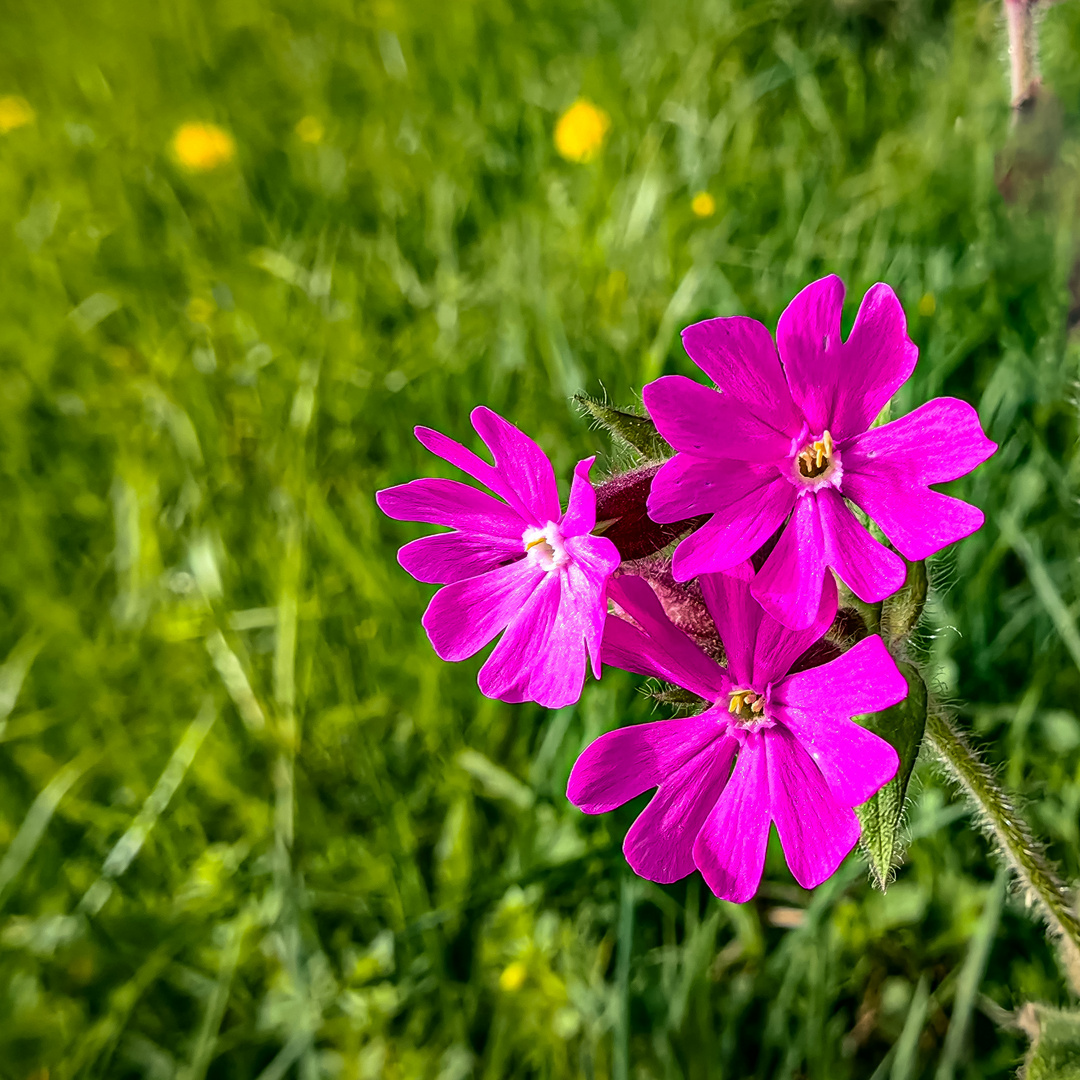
(545, 548)
(747, 710)
(746, 704)
(817, 465)
(816, 458)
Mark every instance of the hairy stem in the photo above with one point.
(1023, 50)
(1001, 819)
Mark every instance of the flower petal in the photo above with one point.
(843, 385)
(808, 337)
(580, 516)
(817, 706)
(737, 616)
(875, 361)
(452, 556)
(869, 569)
(448, 502)
(730, 848)
(700, 421)
(789, 585)
(887, 469)
(917, 521)
(594, 560)
(777, 647)
(760, 650)
(739, 355)
(465, 615)
(815, 830)
(468, 462)
(620, 765)
(659, 845)
(940, 441)
(542, 655)
(521, 655)
(656, 647)
(523, 466)
(748, 503)
(687, 486)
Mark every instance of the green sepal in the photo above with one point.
(902, 726)
(636, 431)
(683, 701)
(1055, 1043)
(901, 612)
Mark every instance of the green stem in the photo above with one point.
(1002, 820)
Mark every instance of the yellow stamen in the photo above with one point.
(532, 543)
(817, 457)
(746, 704)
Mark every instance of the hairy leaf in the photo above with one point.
(902, 726)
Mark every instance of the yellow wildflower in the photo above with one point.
(200, 310)
(15, 112)
(201, 147)
(580, 132)
(310, 129)
(927, 305)
(513, 977)
(703, 204)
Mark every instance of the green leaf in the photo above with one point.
(900, 613)
(902, 726)
(1055, 1043)
(638, 432)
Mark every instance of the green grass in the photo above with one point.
(253, 827)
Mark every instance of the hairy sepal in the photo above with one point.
(637, 432)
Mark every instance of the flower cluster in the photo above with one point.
(763, 490)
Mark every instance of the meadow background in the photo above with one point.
(252, 829)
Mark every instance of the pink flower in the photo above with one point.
(787, 439)
(799, 759)
(515, 563)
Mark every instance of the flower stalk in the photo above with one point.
(1002, 820)
(1023, 51)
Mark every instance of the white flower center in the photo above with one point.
(817, 464)
(545, 547)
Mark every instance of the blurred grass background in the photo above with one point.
(252, 827)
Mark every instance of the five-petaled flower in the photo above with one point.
(788, 438)
(515, 563)
(799, 759)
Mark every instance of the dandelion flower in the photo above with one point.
(703, 204)
(15, 112)
(787, 439)
(513, 977)
(581, 130)
(201, 147)
(515, 563)
(799, 759)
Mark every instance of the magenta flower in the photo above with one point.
(515, 563)
(787, 439)
(799, 759)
